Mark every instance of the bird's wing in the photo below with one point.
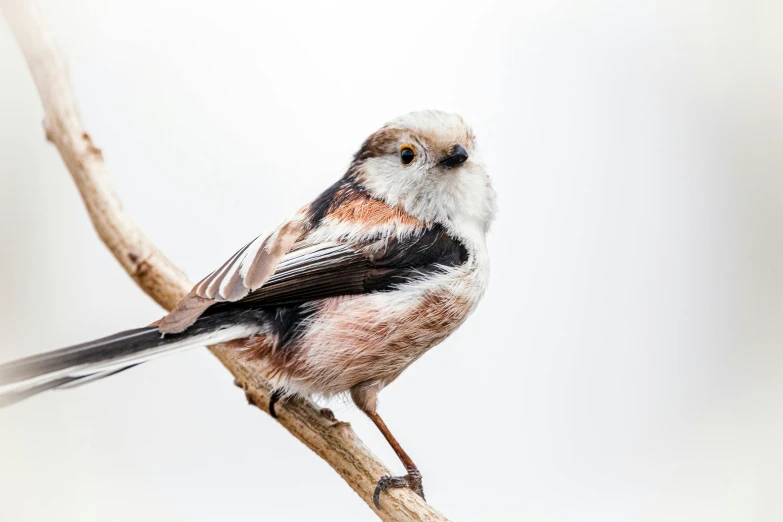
(376, 264)
(244, 272)
(316, 271)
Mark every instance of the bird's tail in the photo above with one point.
(83, 363)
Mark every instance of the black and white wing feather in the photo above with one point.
(326, 270)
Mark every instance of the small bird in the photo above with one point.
(341, 298)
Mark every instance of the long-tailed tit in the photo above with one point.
(342, 297)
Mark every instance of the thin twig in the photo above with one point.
(333, 441)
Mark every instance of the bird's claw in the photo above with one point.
(275, 396)
(412, 481)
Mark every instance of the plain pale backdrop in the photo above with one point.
(626, 361)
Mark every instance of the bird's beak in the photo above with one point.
(457, 157)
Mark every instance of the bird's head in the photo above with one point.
(427, 163)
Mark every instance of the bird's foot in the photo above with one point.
(412, 480)
(274, 397)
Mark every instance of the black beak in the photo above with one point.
(457, 157)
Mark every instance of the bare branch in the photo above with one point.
(332, 440)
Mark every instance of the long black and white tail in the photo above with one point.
(87, 362)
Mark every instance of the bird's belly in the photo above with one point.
(371, 337)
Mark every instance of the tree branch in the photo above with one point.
(332, 440)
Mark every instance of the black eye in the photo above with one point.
(406, 154)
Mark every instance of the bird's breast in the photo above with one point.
(352, 339)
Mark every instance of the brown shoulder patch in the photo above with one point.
(367, 212)
(347, 201)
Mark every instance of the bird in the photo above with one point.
(340, 298)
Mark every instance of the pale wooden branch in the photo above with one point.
(332, 440)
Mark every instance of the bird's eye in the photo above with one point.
(407, 155)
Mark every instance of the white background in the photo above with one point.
(626, 362)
